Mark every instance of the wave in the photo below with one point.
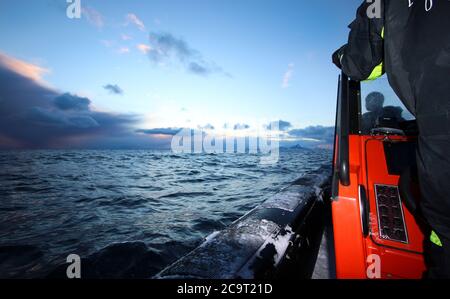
(128, 260)
(17, 260)
(13, 209)
(186, 194)
(207, 225)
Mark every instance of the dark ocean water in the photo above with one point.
(128, 213)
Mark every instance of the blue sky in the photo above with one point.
(177, 63)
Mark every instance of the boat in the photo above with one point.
(356, 219)
(374, 195)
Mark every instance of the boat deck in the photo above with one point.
(325, 267)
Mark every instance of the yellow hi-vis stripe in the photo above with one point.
(378, 71)
(435, 239)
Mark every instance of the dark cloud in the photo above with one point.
(319, 133)
(283, 125)
(160, 131)
(114, 89)
(198, 69)
(165, 46)
(71, 102)
(58, 119)
(241, 127)
(33, 115)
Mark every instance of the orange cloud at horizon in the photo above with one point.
(26, 69)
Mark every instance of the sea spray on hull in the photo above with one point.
(265, 241)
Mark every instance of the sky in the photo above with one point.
(130, 73)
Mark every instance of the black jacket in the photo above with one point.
(416, 43)
(411, 43)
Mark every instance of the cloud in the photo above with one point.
(93, 17)
(114, 89)
(282, 125)
(198, 69)
(144, 48)
(160, 131)
(288, 76)
(165, 46)
(26, 69)
(319, 133)
(131, 18)
(71, 102)
(60, 120)
(241, 127)
(36, 116)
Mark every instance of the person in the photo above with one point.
(374, 107)
(394, 114)
(409, 40)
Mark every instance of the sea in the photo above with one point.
(127, 213)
